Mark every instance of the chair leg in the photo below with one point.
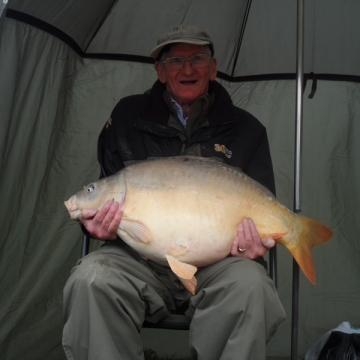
(85, 245)
(295, 311)
(273, 265)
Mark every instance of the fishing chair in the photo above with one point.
(180, 321)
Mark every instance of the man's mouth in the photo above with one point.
(188, 82)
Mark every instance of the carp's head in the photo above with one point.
(94, 195)
(72, 208)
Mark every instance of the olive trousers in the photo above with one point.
(234, 313)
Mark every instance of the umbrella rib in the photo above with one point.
(100, 25)
(247, 11)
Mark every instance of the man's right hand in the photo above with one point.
(103, 224)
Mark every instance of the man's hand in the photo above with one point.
(248, 243)
(102, 224)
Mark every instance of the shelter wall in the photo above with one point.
(53, 105)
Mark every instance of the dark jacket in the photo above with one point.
(142, 126)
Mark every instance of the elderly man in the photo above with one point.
(110, 292)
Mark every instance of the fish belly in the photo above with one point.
(192, 212)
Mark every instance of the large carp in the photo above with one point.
(183, 212)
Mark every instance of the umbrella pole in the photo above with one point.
(298, 138)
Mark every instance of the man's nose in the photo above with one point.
(187, 67)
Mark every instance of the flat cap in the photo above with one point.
(188, 34)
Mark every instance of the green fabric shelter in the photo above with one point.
(64, 66)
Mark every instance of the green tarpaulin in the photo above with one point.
(53, 104)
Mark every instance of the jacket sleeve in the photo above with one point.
(251, 149)
(260, 166)
(108, 154)
(120, 141)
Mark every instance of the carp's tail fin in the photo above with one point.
(313, 233)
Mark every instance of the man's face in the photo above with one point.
(187, 83)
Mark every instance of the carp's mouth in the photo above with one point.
(72, 208)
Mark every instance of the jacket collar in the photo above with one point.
(221, 110)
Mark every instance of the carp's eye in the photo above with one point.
(90, 188)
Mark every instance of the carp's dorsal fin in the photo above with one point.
(184, 272)
(135, 229)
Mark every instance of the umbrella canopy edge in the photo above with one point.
(33, 21)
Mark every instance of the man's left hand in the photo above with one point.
(248, 243)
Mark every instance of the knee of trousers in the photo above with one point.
(94, 276)
(239, 274)
(249, 281)
(239, 279)
(241, 293)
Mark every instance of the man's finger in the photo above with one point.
(109, 216)
(234, 247)
(241, 241)
(248, 233)
(268, 242)
(253, 229)
(87, 214)
(114, 224)
(102, 214)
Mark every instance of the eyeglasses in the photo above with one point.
(196, 61)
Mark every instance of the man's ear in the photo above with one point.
(213, 69)
(160, 70)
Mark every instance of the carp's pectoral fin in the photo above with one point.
(135, 229)
(190, 284)
(184, 272)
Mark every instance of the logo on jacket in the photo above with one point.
(224, 150)
(108, 123)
